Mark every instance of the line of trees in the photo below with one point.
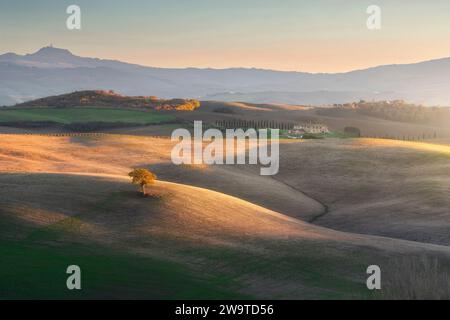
(419, 137)
(253, 124)
(396, 110)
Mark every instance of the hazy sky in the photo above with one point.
(313, 35)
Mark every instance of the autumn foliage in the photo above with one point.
(143, 178)
(111, 99)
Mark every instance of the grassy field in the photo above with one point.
(187, 243)
(37, 271)
(82, 114)
(374, 186)
(220, 245)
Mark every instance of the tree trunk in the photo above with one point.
(143, 189)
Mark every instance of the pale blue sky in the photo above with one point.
(317, 36)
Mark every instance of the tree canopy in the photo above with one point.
(142, 177)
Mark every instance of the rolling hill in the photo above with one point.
(357, 187)
(208, 233)
(110, 99)
(185, 243)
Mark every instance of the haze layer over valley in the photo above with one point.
(51, 71)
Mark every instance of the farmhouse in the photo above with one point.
(309, 128)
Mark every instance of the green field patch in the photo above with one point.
(39, 272)
(83, 114)
(324, 276)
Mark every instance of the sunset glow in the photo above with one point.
(312, 36)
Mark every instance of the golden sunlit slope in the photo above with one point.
(109, 208)
(107, 205)
(268, 254)
(116, 154)
(419, 146)
(380, 187)
(217, 106)
(384, 187)
(259, 252)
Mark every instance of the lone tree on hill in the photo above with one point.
(142, 177)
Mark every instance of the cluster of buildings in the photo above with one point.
(308, 128)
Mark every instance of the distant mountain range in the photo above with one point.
(52, 71)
